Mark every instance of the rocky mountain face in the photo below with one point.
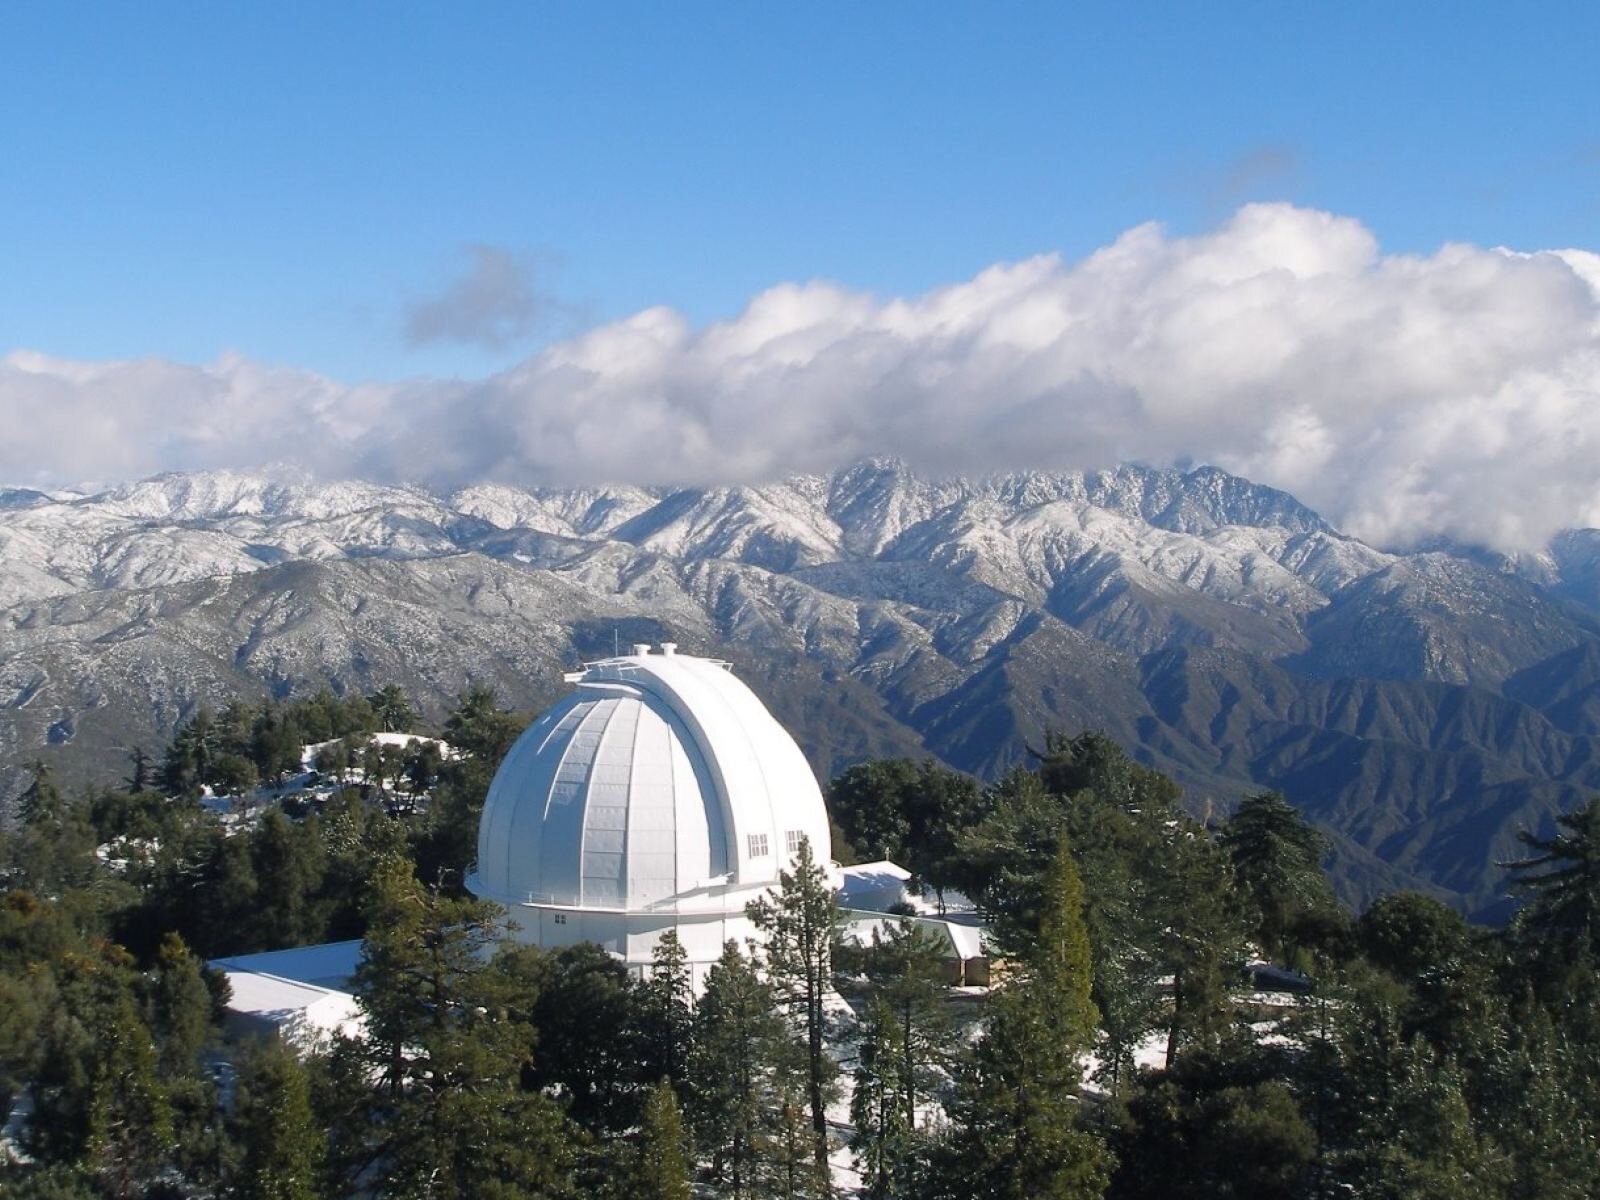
(1422, 707)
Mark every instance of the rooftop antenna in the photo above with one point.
(616, 643)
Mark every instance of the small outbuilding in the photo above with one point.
(299, 996)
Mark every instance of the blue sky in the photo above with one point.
(289, 181)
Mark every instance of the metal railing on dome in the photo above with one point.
(696, 899)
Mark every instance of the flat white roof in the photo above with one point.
(867, 883)
(329, 966)
(964, 941)
(272, 996)
(302, 992)
(882, 873)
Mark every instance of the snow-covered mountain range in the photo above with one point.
(1420, 704)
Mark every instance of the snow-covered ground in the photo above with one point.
(1149, 1055)
(241, 811)
(308, 754)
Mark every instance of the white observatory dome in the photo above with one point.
(660, 794)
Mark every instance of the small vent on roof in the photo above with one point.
(669, 648)
(640, 649)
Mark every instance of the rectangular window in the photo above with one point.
(758, 845)
(795, 837)
(561, 918)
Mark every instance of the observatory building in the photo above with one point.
(661, 794)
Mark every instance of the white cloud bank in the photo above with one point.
(1403, 396)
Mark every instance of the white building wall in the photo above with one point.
(632, 937)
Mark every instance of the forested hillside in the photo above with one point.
(1184, 1010)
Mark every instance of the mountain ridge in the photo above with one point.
(1421, 705)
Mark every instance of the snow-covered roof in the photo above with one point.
(269, 995)
(330, 965)
(298, 995)
(959, 939)
(875, 886)
(661, 776)
(967, 939)
(882, 873)
(300, 1013)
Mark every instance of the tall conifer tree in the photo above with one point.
(801, 922)
(1017, 1112)
(882, 1137)
(663, 1170)
(283, 1148)
(738, 1035)
(1277, 859)
(449, 1113)
(667, 1009)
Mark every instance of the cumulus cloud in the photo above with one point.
(493, 303)
(1405, 396)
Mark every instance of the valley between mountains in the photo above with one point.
(1421, 707)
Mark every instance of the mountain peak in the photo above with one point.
(950, 615)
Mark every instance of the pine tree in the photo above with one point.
(1061, 961)
(589, 1018)
(180, 1008)
(1202, 939)
(786, 1165)
(801, 922)
(288, 862)
(333, 760)
(391, 709)
(283, 1146)
(372, 763)
(903, 974)
(1121, 821)
(1446, 968)
(235, 727)
(662, 1171)
(737, 1037)
(869, 802)
(1422, 1144)
(41, 805)
(1016, 1113)
(909, 811)
(191, 755)
(275, 744)
(423, 761)
(447, 1054)
(882, 1138)
(1277, 859)
(235, 775)
(1558, 932)
(98, 1100)
(1539, 1096)
(479, 729)
(24, 998)
(667, 1009)
(140, 775)
(53, 851)
(390, 765)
